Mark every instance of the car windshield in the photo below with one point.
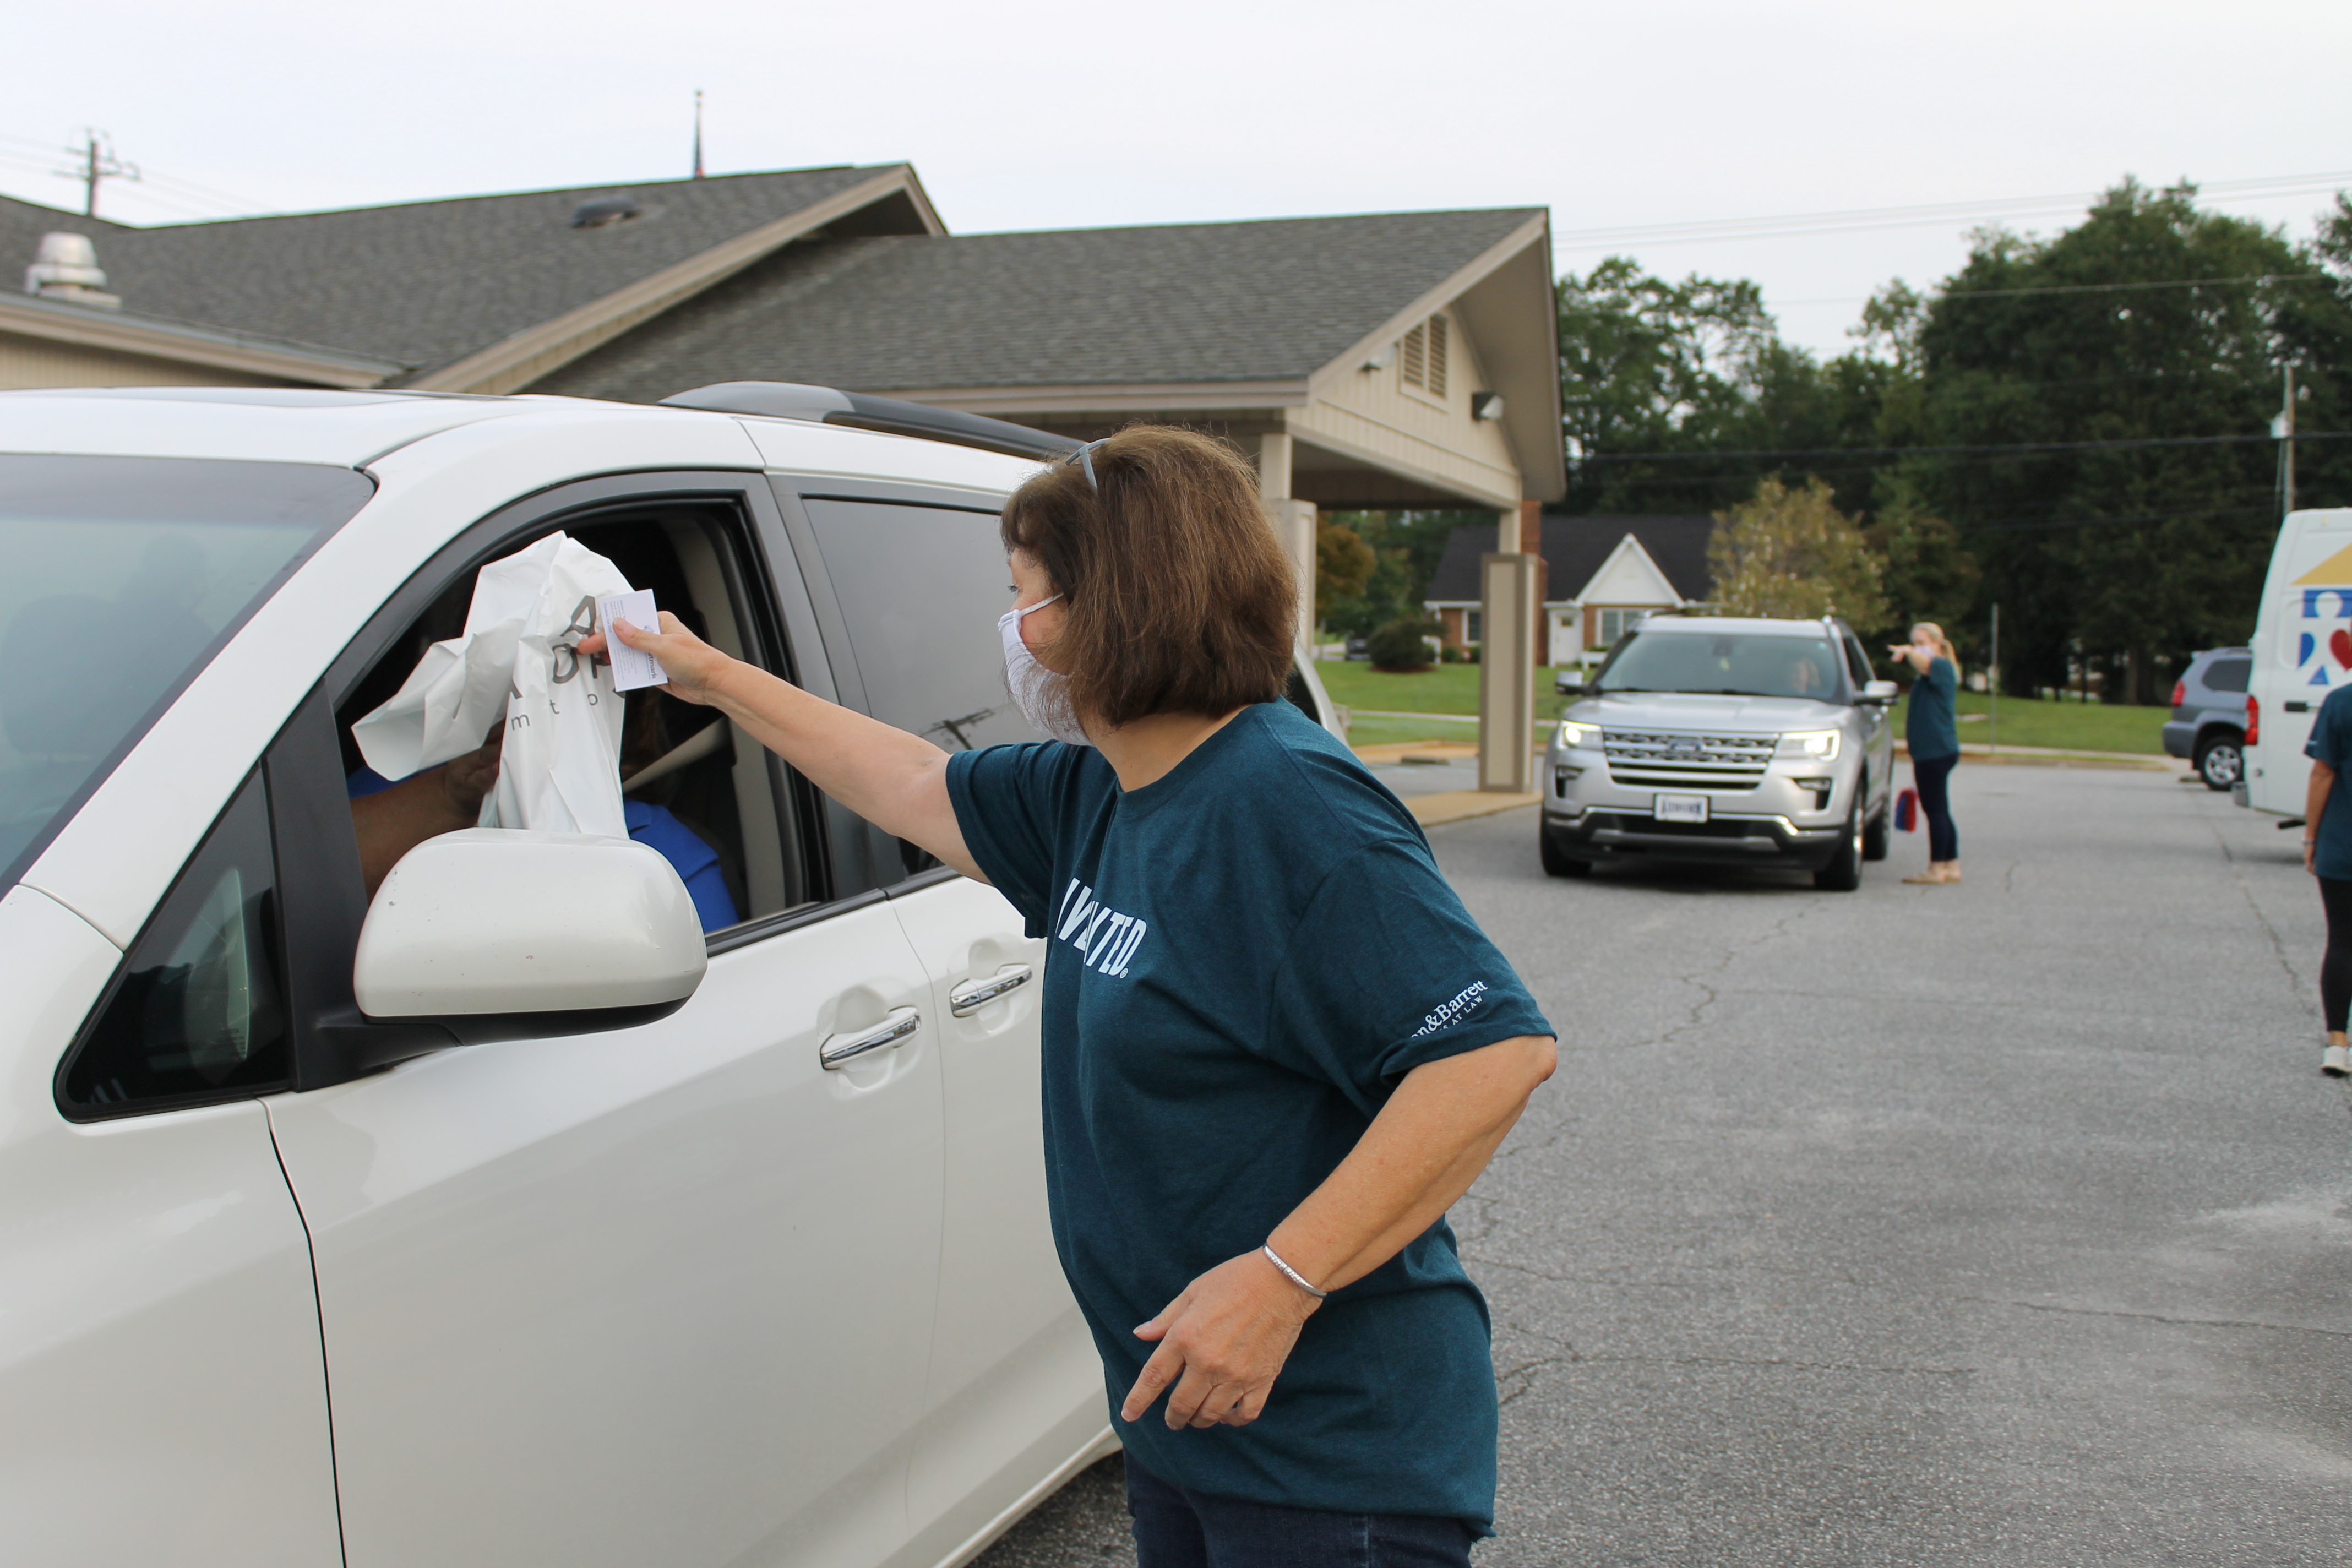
(124, 575)
(1741, 664)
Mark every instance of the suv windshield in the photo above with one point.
(1743, 664)
(124, 574)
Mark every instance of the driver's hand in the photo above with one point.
(467, 779)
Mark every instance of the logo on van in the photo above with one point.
(2320, 656)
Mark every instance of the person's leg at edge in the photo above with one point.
(1221, 1533)
(1167, 1532)
(2336, 975)
(1932, 777)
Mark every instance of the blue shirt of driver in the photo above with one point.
(657, 829)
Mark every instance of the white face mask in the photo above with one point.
(1042, 696)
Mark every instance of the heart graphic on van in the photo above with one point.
(2339, 643)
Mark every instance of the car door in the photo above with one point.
(660, 1294)
(1015, 1390)
(1877, 727)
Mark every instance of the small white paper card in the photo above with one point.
(631, 668)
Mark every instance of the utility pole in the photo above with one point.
(698, 133)
(1992, 687)
(94, 162)
(2283, 431)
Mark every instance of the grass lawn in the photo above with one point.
(1442, 688)
(2074, 726)
(1386, 731)
(1453, 688)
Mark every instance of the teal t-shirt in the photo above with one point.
(1930, 728)
(2331, 742)
(1246, 957)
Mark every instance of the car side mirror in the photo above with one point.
(1569, 682)
(1881, 692)
(505, 922)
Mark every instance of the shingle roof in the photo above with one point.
(1188, 303)
(1574, 548)
(423, 283)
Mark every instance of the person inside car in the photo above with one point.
(392, 816)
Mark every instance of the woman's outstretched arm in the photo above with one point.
(896, 781)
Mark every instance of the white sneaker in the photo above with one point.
(2336, 1061)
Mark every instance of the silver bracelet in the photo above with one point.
(1295, 1277)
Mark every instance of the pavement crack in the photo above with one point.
(1731, 953)
(2160, 1318)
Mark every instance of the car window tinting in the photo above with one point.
(124, 575)
(198, 1012)
(2228, 674)
(921, 589)
(1747, 664)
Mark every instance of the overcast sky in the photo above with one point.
(1045, 115)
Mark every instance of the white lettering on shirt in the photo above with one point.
(1106, 939)
(1454, 1012)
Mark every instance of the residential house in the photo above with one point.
(1602, 574)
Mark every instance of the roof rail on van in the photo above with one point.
(827, 405)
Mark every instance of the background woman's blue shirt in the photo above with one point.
(1930, 727)
(2331, 742)
(1244, 959)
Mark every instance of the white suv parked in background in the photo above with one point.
(1739, 743)
(732, 1254)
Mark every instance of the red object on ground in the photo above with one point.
(1906, 810)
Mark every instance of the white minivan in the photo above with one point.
(736, 1253)
(2303, 650)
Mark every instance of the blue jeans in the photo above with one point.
(1933, 775)
(1176, 1527)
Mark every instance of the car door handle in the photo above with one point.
(973, 995)
(840, 1050)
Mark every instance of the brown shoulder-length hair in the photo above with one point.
(1180, 599)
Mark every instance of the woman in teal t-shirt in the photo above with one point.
(1931, 733)
(1276, 1049)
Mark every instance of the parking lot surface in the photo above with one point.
(2005, 1222)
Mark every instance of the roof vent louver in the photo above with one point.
(603, 210)
(65, 268)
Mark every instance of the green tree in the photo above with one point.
(1406, 547)
(1679, 396)
(1791, 553)
(2151, 320)
(1925, 572)
(1343, 565)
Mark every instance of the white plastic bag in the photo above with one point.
(561, 769)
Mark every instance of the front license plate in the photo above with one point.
(1679, 807)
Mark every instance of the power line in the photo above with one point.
(1790, 225)
(1977, 449)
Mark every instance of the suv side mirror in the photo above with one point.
(502, 921)
(1569, 682)
(1880, 692)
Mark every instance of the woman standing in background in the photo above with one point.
(1932, 732)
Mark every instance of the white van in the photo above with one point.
(2303, 650)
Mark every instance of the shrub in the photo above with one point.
(1401, 647)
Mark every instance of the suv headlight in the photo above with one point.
(1819, 745)
(1572, 736)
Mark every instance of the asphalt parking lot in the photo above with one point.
(2005, 1222)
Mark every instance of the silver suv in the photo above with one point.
(1743, 743)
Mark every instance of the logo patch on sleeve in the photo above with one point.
(1454, 1012)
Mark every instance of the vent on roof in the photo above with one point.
(1425, 357)
(604, 210)
(64, 267)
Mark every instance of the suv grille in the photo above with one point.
(1675, 760)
